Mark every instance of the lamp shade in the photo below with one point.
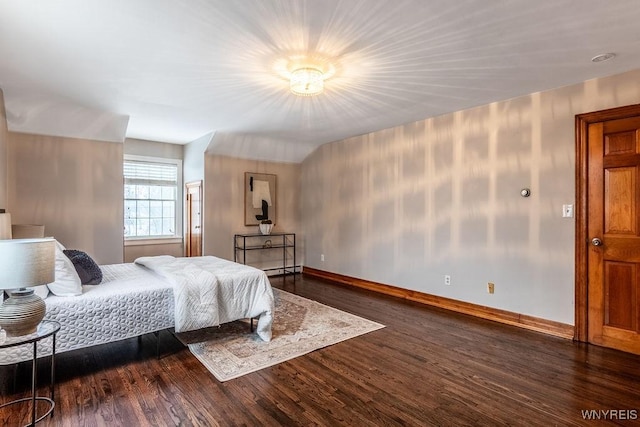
(5, 226)
(26, 262)
(27, 231)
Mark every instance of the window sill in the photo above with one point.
(143, 241)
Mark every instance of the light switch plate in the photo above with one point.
(567, 211)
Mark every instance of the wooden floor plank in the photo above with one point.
(428, 366)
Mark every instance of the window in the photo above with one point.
(152, 196)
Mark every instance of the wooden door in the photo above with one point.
(194, 219)
(613, 236)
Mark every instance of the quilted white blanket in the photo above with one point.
(209, 291)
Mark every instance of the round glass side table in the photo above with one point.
(46, 328)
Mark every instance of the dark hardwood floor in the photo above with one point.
(427, 367)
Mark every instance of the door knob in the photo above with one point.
(596, 242)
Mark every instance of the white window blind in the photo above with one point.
(145, 173)
(150, 199)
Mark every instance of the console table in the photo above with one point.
(46, 328)
(285, 242)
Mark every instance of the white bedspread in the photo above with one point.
(130, 301)
(209, 291)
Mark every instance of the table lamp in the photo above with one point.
(24, 263)
(5, 225)
(27, 231)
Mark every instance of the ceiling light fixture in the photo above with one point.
(306, 73)
(603, 57)
(307, 81)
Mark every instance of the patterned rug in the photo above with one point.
(300, 326)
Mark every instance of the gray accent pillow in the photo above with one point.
(87, 269)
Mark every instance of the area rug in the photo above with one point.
(300, 326)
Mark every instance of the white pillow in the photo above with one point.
(67, 282)
(42, 291)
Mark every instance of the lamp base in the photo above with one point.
(21, 313)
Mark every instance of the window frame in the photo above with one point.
(157, 240)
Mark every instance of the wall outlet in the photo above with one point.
(491, 287)
(321, 257)
(447, 280)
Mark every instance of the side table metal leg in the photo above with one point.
(34, 374)
(157, 334)
(15, 377)
(52, 387)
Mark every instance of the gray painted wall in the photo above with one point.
(72, 186)
(193, 166)
(406, 206)
(4, 137)
(224, 204)
(193, 170)
(141, 147)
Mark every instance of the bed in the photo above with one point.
(134, 299)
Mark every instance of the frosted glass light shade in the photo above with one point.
(26, 262)
(306, 81)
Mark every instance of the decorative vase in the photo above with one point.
(266, 229)
(22, 312)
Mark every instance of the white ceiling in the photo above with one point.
(174, 71)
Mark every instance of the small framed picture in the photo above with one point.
(260, 202)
